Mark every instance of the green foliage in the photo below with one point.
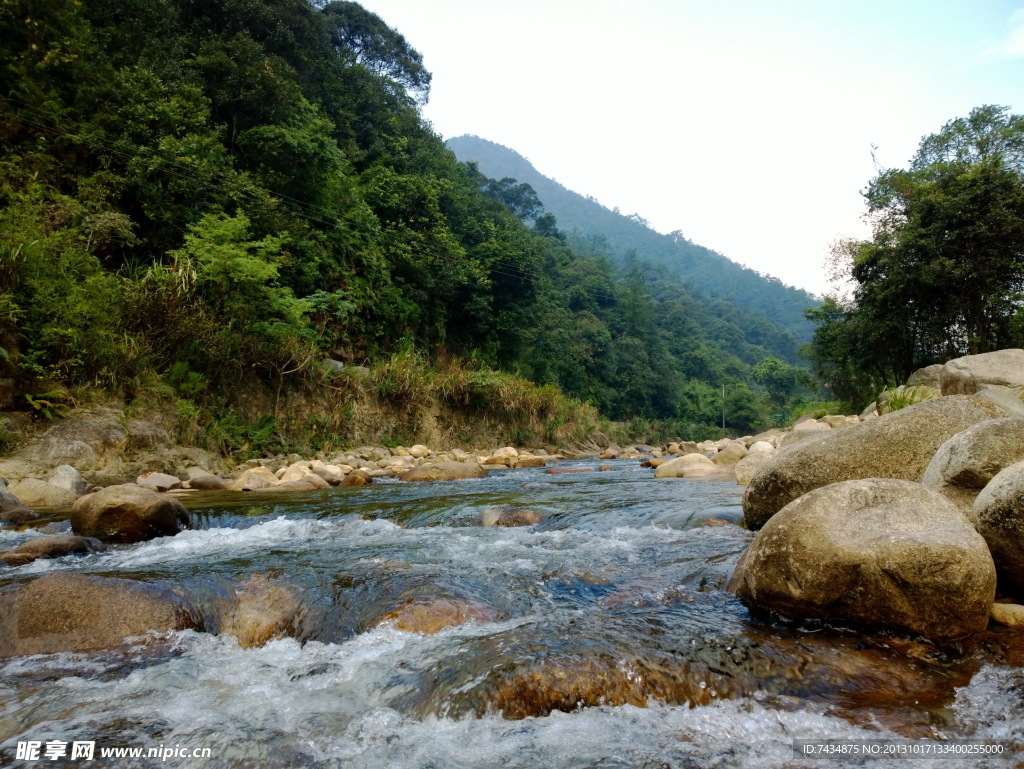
(943, 273)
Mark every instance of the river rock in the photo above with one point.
(965, 463)
(999, 510)
(928, 376)
(530, 460)
(967, 375)
(262, 611)
(158, 482)
(68, 478)
(204, 480)
(36, 493)
(50, 547)
(896, 445)
(419, 451)
(873, 551)
(444, 471)
(1006, 398)
(430, 616)
(13, 511)
(127, 513)
(688, 466)
(750, 464)
(65, 612)
(730, 454)
(1009, 614)
(254, 478)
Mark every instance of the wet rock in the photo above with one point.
(567, 470)
(13, 511)
(62, 612)
(999, 511)
(430, 616)
(897, 445)
(50, 547)
(876, 552)
(158, 482)
(967, 375)
(530, 460)
(127, 513)
(303, 484)
(519, 516)
(444, 471)
(965, 463)
(263, 610)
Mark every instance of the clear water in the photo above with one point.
(608, 641)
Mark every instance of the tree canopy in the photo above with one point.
(943, 274)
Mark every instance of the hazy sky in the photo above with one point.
(747, 124)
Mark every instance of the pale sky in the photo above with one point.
(747, 124)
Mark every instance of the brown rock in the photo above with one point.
(444, 471)
(874, 551)
(73, 612)
(1009, 614)
(262, 611)
(430, 616)
(127, 513)
(357, 477)
(567, 470)
(13, 511)
(50, 547)
(896, 445)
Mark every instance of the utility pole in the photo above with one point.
(723, 407)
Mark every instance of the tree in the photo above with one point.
(366, 39)
(943, 273)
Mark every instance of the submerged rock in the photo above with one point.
(262, 611)
(63, 612)
(50, 547)
(430, 616)
(876, 552)
(127, 513)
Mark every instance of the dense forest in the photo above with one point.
(756, 299)
(199, 194)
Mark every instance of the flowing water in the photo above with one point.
(600, 637)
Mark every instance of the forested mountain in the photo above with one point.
(203, 193)
(712, 274)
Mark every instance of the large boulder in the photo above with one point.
(999, 510)
(967, 375)
(50, 547)
(877, 551)
(730, 454)
(127, 513)
(158, 481)
(896, 445)
(254, 478)
(747, 467)
(444, 471)
(965, 463)
(63, 612)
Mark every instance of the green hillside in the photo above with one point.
(712, 274)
